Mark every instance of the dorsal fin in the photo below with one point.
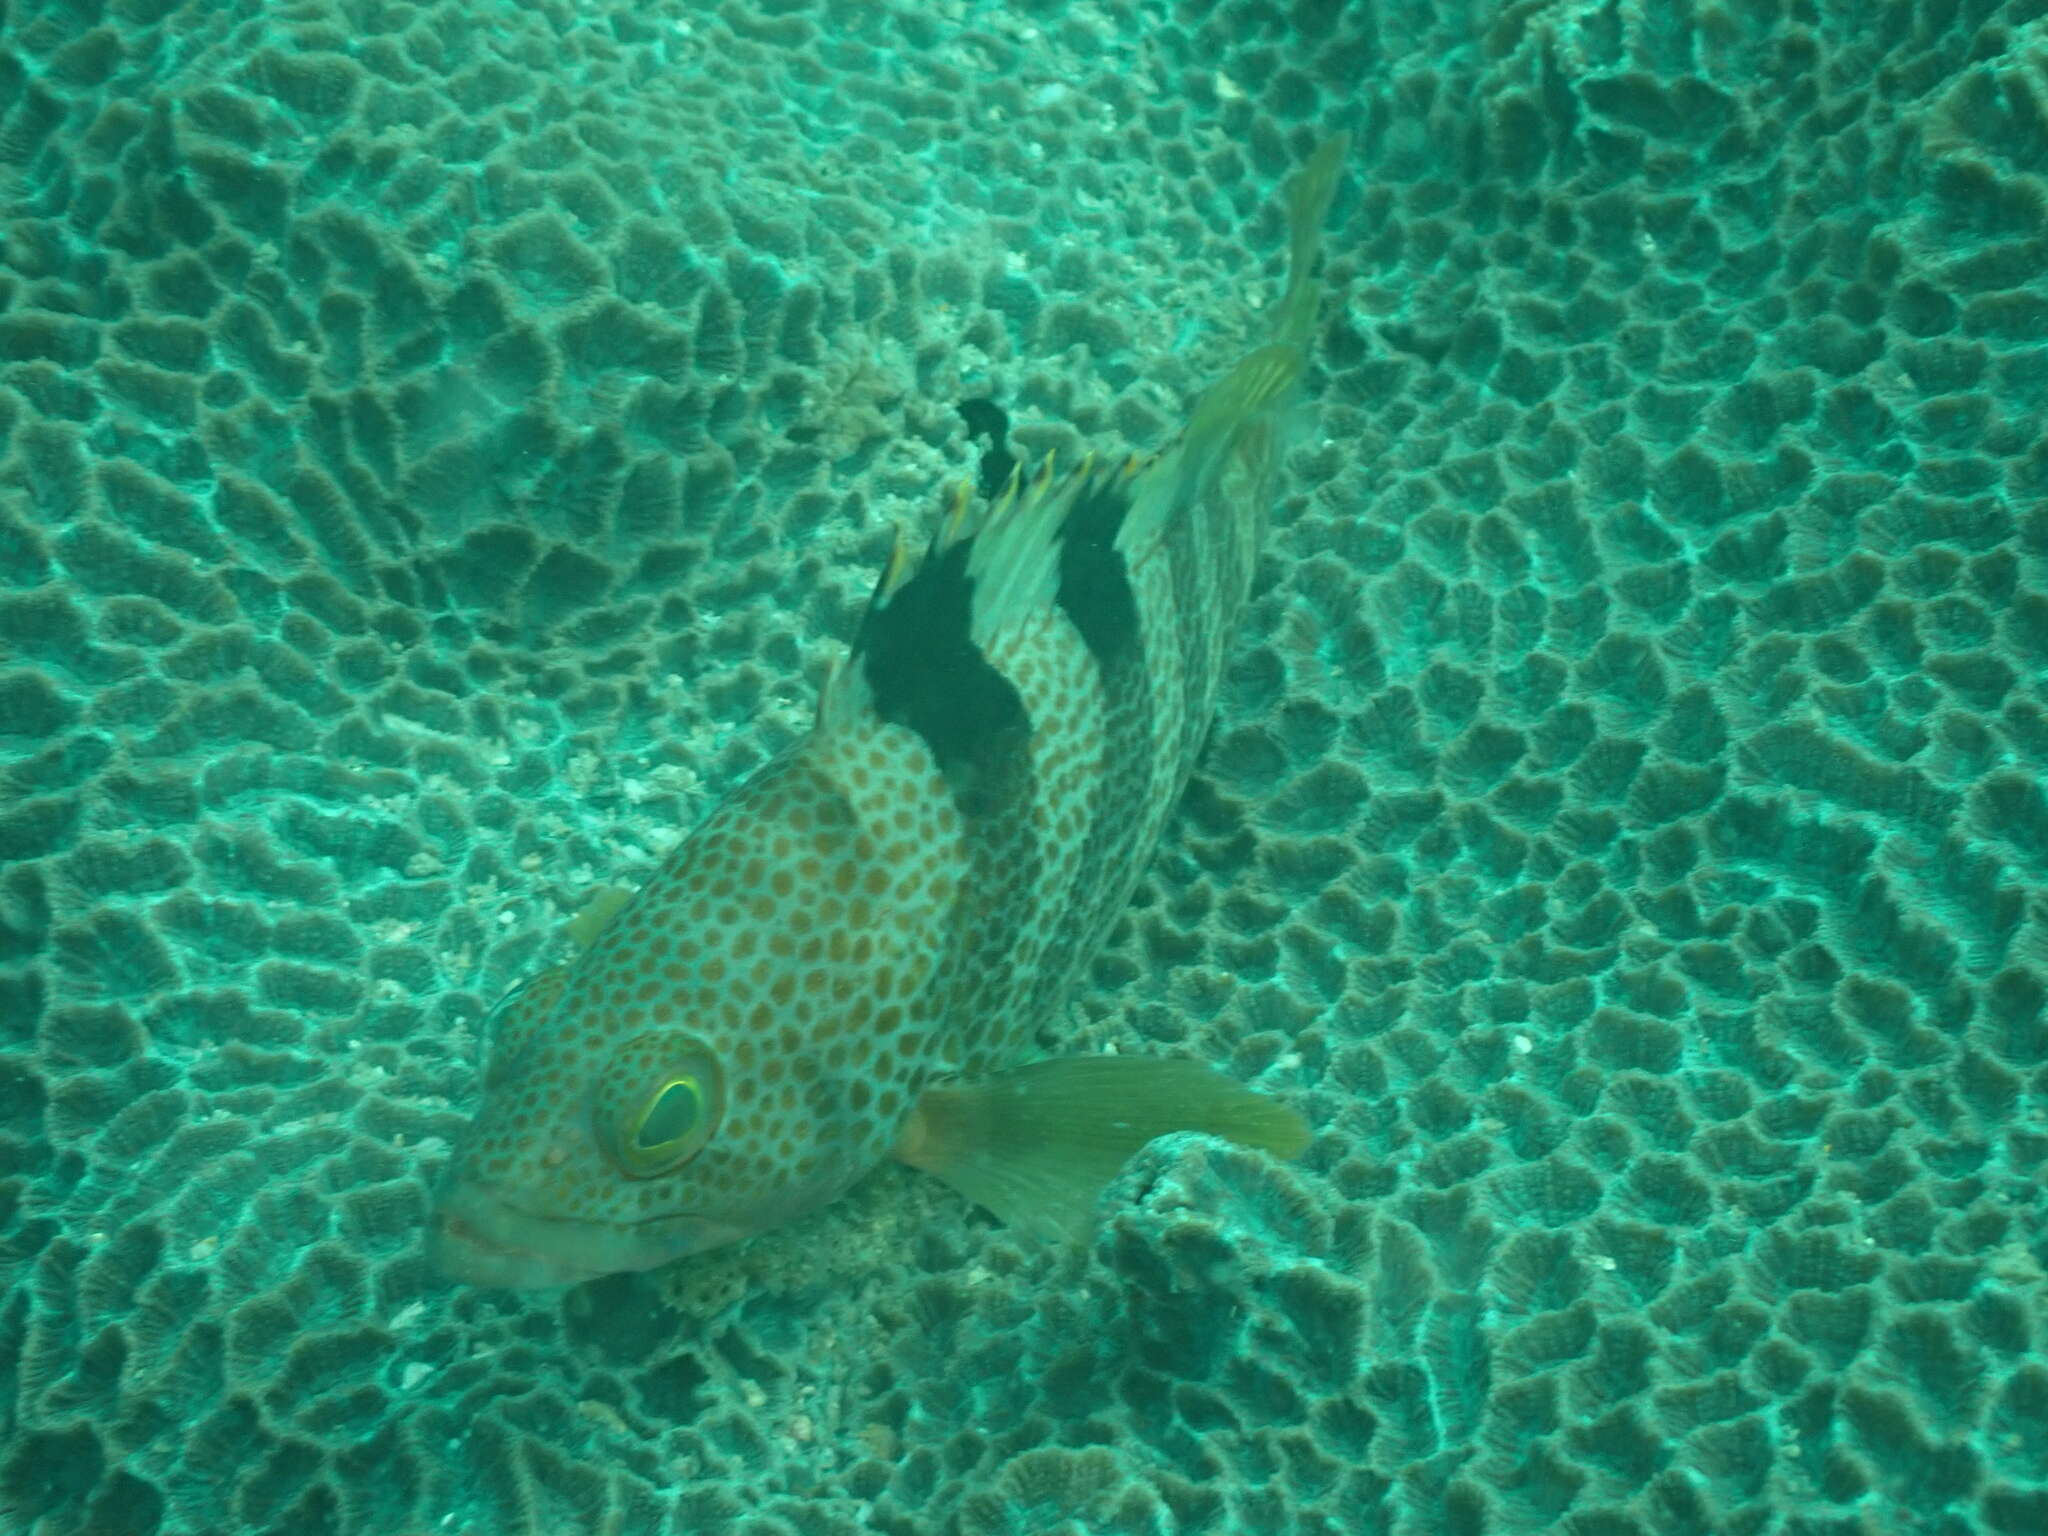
(1015, 563)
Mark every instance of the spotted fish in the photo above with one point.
(853, 957)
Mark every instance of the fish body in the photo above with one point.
(852, 957)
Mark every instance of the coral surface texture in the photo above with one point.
(444, 445)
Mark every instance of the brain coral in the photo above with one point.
(440, 443)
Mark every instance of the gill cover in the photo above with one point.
(518, 1015)
(517, 1018)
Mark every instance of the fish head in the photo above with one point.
(577, 1163)
(731, 1051)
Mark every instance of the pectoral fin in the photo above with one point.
(604, 905)
(1037, 1144)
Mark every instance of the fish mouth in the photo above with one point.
(480, 1238)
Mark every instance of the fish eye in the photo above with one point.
(670, 1115)
(660, 1102)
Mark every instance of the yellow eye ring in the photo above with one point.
(660, 1103)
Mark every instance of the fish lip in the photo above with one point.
(481, 1238)
(464, 1251)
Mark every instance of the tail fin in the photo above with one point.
(1308, 202)
(1266, 377)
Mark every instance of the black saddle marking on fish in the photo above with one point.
(926, 673)
(986, 419)
(1095, 580)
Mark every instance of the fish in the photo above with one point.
(854, 956)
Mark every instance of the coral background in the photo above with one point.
(441, 447)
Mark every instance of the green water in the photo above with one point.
(441, 446)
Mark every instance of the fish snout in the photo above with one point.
(476, 1239)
